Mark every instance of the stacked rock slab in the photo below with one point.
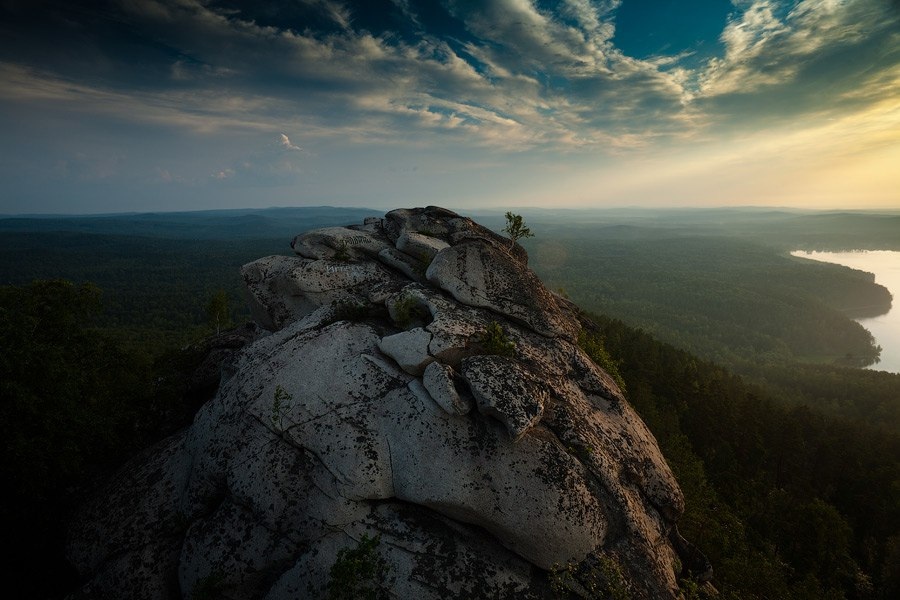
(374, 408)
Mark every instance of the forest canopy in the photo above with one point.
(791, 469)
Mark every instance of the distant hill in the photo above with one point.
(781, 228)
(196, 225)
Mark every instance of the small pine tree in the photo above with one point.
(516, 229)
(218, 311)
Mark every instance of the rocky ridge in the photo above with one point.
(375, 404)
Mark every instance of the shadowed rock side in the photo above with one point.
(374, 408)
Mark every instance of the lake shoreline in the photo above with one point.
(884, 265)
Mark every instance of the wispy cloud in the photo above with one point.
(285, 142)
(768, 47)
(522, 78)
(750, 58)
(203, 111)
(275, 162)
(504, 78)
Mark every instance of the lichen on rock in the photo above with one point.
(376, 435)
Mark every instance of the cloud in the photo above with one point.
(766, 46)
(507, 77)
(750, 41)
(517, 76)
(285, 142)
(199, 110)
(269, 163)
(590, 15)
(336, 11)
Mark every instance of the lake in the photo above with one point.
(885, 264)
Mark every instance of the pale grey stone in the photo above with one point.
(433, 223)
(410, 307)
(438, 380)
(332, 242)
(410, 266)
(479, 274)
(409, 349)
(283, 289)
(423, 247)
(371, 435)
(532, 496)
(505, 391)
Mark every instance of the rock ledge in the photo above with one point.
(354, 416)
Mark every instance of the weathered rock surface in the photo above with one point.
(354, 417)
(505, 390)
(482, 275)
(438, 382)
(409, 349)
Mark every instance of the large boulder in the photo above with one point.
(353, 417)
(504, 389)
(483, 275)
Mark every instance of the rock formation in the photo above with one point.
(375, 405)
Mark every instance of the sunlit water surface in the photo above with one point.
(885, 264)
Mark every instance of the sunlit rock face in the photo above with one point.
(375, 407)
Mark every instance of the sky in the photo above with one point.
(157, 105)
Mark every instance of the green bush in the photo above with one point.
(218, 312)
(494, 341)
(360, 573)
(592, 345)
(596, 577)
(409, 310)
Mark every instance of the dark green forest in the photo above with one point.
(787, 502)
(725, 299)
(154, 290)
(739, 300)
(235, 224)
(791, 469)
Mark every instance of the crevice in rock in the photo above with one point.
(283, 437)
(468, 529)
(616, 527)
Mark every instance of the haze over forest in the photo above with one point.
(789, 471)
(140, 105)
